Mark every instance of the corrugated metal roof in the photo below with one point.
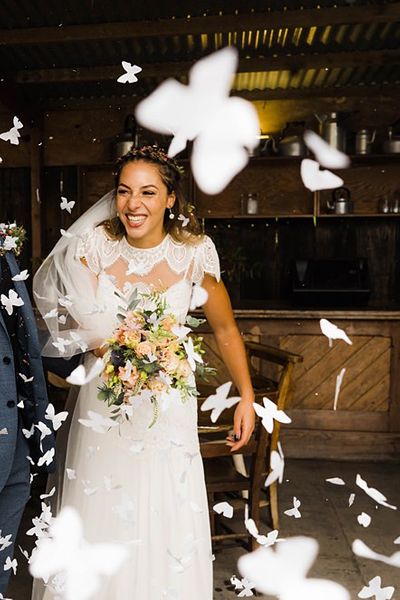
(25, 62)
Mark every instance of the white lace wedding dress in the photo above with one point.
(134, 485)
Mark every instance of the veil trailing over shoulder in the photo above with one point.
(65, 289)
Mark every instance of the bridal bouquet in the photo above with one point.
(12, 238)
(150, 358)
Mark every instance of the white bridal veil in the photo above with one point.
(65, 289)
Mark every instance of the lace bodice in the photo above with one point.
(102, 253)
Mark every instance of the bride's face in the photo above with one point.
(141, 201)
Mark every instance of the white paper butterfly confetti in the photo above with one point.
(130, 73)
(11, 564)
(270, 412)
(199, 297)
(294, 512)
(47, 458)
(79, 375)
(224, 508)
(373, 493)
(245, 585)
(11, 300)
(13, 134)
(185, 220)
(22, 276)
(326, 155)
(61, 344)
(97, 422)
(336, 481)
(5, 541)
(56, 419)
(361, 549)
(80, 563)
(282, 572)
(24, 378)
(224, 128)
(219, 401)
(316, 179)
(192, 356)
(66, 234)
(374, 589)
(339, 381)
(67, 205)
(263, 540)
(333, 332)
(352, 497)
(277, 466)
(364, 519)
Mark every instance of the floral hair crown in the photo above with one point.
(154, 153)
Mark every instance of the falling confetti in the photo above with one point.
(316, 179)
(339, 381)
(130, 73)
(269, 412)
(219, 401)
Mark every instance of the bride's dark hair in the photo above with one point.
(171, 175)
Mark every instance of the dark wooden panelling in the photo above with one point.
(15, 205)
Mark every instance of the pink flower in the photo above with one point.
(144, 349)
(129, 376)
(168, 322)
(170, 361)
(184, 369)
(155, 385)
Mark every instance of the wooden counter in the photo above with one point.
(366, 424)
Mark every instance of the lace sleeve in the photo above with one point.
(206, 261)
(87, 248)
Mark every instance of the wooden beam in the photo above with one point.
(180, 69)
(321, 17)
(387, 90)
(36, 171)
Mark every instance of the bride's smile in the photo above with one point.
(141, 201)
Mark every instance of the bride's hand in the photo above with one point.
(243, 425)
(100, 352)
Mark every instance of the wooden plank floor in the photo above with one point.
(326, 516)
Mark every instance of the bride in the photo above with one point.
(138, 485)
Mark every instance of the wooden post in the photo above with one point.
(36, 171)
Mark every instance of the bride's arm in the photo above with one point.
(218, 311)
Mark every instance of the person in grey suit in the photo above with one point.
(23, 402)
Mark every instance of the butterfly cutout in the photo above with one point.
(97, 422)
(352, 497)
(339, 381)
(13, 134)
(263, 540)
(130, 73)
(282, 571)
(4, 431)
(65, 233)
(333, 332)
(47, 458)
(185, 220)
(336, 481)
(56, 419)
(373, 493)
(269, 412)
(71, 473)
(5, 541)
(10, 301)
(24, 378)
(192, 355)
(316, 179)
(199, 296)
(224, 508)
(65, 301)
(78, 341)
(22, 276)
(49, 495)
(10, 564)
(326, 155)
(61, 344)
(245, 585)
(67, 205)
(223, 128)
(375, 589)
(277, 463)
(361, 549)
(80, 563)
(294, 512)
(44, 431)
(219, 401)
(364, 519)
(79, 376)
(10, 242)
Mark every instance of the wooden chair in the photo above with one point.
(223, 481)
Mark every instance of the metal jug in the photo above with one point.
(364, 140)
(331, 130)
(341, 203)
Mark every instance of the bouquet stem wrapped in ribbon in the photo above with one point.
(150, 357)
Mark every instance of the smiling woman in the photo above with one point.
(157, 471)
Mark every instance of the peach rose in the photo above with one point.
(184, 369)
(168, 322)
(155, 385)
(144, 349)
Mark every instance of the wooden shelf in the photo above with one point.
(360, 215)
(258, 216)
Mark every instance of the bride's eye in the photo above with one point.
(122, 192)
(148, 193)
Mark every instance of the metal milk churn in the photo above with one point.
(332, 131)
